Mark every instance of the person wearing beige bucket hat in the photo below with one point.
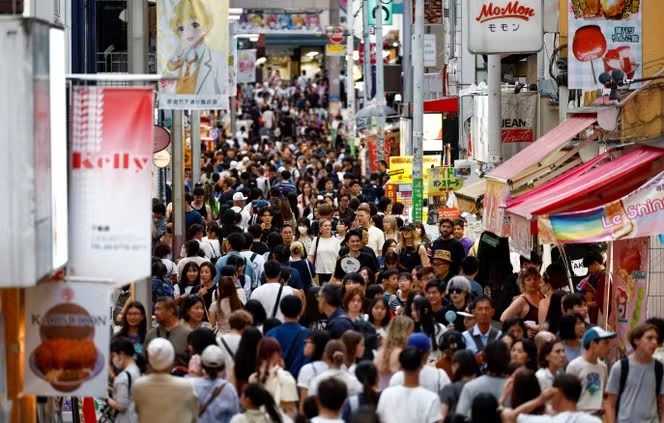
(441, 260)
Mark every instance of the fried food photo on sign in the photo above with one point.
(67, 352)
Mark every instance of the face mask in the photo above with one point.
(117, 362)
(302, 229)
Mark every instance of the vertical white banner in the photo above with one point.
(246, 66)
(111, 183)
(67, 339)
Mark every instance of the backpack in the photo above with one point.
(624, 371)
(370, 336)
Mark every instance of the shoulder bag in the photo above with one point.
(315, 278)
(214, 395)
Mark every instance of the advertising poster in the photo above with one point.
(192, 48)
(279, 21)
(443, 180)
(638, 214)
(603, 36)
(630, 279)
(67, 339)
(246, 66)
(401, 169)
(111, 183)
(495, 198)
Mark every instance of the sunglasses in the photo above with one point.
(456, 291)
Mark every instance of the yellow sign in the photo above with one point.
(405, 165)
(442, 180)
(335, 50)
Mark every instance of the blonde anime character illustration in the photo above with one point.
(198, 69)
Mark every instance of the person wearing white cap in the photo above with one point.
(239, 207)
(219, 401)
(161, 397)
(592, 373)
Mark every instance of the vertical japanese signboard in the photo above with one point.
(111, 183)
(604, 36)
(503, 26)
(192, 47)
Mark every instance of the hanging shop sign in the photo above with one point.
(604, 36)
(443, 180)
(495, 199)
(197, 58)
(277, 21)
(246, 66)
(503, 26)
(638, 214)
(630, 281)
(386, 7)
(67, 339)
(111, 183)
(401, 169)
(519, 123)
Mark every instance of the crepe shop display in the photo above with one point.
(67, 356)
(589, 44)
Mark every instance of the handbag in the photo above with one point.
(315, 278)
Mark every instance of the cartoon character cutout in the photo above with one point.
(198, 69)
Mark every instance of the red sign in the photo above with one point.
(517, 135)
(448, 213)
(372, 54)
(512, 10)
(391, 192)
(337, 36)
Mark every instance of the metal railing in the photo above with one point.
(117, 62)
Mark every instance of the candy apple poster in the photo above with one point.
(604, 35)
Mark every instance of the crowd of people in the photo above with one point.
(302, 293)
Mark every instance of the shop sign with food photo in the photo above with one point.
(605, 35)
(67, 338)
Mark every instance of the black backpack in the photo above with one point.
(624, 371)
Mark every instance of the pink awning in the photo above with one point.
(549, 143)
(591, 186)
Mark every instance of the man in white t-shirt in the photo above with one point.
(431, 378)
(376, 236)
(409, 402)
(272, 291)
(563, 397)
(591, 372)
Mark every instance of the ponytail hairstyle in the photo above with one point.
(260, 397)
(335, 353)
(121, 344)
(367, 373)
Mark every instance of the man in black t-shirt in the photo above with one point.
(355, 257)
(449, 243)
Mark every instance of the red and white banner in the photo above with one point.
(111, 183)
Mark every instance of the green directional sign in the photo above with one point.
(387, 11)
(418, 194)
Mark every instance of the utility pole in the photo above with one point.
(495, 130)
(195, 126)
(137, 53)
(232, 105)
(366, 69)
(406, 71)
(178, 182)
(380, 83)
(418, 110)
(333, 66)
(350, 83)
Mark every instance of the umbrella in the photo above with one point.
(371, 111)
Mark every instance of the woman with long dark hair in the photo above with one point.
(422, 315)
(192, 312)
(554, 312)
(134, 325)
(190, 282)
(312, 318)
(521, 388)
(464, 369)
(245, 358)
(130, 366)
(378, 313)
(524, 352)
(259, 406)
(314, 348)
(367, 373)
(269, 372)
(225, 302)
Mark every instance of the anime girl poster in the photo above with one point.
(192, 50)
